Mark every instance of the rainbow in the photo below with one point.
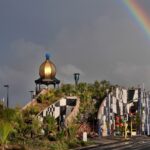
(139, 14)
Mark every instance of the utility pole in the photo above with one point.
(108, 115)
(131, 125)
(125, 122)
(7, 88)
(32, 94)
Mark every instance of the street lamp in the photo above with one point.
(76, 78)
(32, 94)
(7, 88)
(108, 110)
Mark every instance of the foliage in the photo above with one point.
(59, 145)
(58, 93)
(61, 135)
(138, 119)
(36, 126)
(50, 97)
(91, 95)
(72, 131)
(19, 124)
(68, 134)
(7, 114)
(50, 125)
(1, 104)
(100, 89)
(34, 110)
(5, 129)
(27, 126)
(40, 99)
(68, 89)
(73, 144)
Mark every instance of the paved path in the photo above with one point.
(114, 143)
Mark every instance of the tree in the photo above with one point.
(67, 89)
(8, 114)
(5, 129)
(20, 125)
(96, 90)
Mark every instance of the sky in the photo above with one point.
(97, 38)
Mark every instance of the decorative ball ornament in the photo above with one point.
(47, 69)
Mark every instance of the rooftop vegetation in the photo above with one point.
(23, 129)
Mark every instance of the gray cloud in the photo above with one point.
(21, 70)
(114, 50)
(69, 70)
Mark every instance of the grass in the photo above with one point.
(44, 144)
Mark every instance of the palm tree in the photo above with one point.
(5, 130)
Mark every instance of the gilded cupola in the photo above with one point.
(47, 72)
(47, 69)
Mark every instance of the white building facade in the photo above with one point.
(122, 104)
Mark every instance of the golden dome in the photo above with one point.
(47, 69)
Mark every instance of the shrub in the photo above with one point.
(59, 146)
(50, 125)
(73, 144)
(72, 131)
(5, 130)
(8, 114)
(41, 99)
(51, 137)
(34, 110)
(61, 135)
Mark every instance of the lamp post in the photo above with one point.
(76, 78)
(31, 92)
(108, 111)
(125, 121)
(7, 88)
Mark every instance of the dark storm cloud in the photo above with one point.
(21, 69)
(106, 47)
(96, 38)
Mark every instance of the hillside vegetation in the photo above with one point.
(22, 129)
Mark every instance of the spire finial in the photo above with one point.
(47, 55)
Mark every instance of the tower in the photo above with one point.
(47, 73)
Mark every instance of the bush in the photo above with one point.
(51, 137)
(41, 99)
(5, 130)
(61, 135)
(73, 144)
(72, 131)
(7, 114)
(59, 146)
(34, 110)
(50, 125)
